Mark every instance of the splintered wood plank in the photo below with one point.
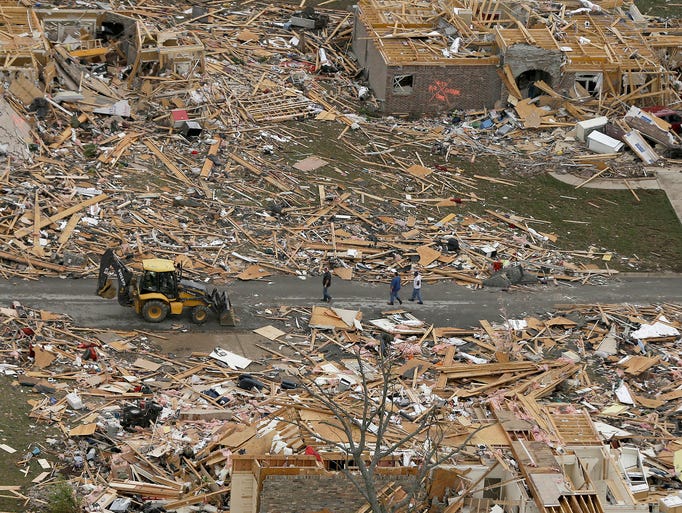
(245, 163)
(37, 249)
(166, 161)
(509, 82)
(208, 163)
(519, 225)
(447, 361)
(26, 260)
(112, 156)
(69, 228)
(40, 477)
(66, 134)
(46, 221)
(324, 211)
(488, 329)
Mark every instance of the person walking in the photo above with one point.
(326, 283)
(395, 288)
(417, 288)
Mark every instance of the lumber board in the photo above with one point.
(46, 221)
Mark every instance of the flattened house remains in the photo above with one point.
(82, 34)
(431, 57)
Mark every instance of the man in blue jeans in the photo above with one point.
(395, 288)
(417, 288)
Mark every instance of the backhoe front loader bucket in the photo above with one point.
(107, 291)
(228, 318)
(223, 307)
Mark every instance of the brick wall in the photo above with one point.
(370, 59)
(522, 57)
(565, 83)
(438, 89)
(305, 494)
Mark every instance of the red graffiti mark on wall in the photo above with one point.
(442, 92)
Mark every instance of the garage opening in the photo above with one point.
(526, 82)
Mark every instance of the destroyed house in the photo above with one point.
(44, 45)
(276, 484)
(432, 57)
(530, 459)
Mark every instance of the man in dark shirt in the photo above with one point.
(326, 283)
(395, 288)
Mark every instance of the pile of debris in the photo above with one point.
(587, 398)
(164, 135)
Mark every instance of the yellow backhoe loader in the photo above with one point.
(161, 290)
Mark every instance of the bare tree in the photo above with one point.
(370, 432)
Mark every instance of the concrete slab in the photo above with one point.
(608, 183)
(242, 343)
(670, 180)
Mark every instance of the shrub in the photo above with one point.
(63, 499)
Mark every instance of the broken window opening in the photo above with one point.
(402, 84)
(591, 82)
(491, 488)
(336, 465)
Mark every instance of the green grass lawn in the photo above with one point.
(643, 233)
(663, 8)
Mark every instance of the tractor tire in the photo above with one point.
(199, 314)
(155, 310)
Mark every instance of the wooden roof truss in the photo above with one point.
(410, 33)
(19, 48)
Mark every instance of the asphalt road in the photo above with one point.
(257, 302)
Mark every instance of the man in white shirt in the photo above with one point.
(417, 288)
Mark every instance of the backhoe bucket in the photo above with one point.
(228, 318)
(108, 291)
(223, 307)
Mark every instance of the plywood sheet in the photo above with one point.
(333, 318)
(418, 171)
(83, 430)
(43, 358)
(232, 360)
(310, 163)
(253, 272)
(146, 365)
(270, 332)
(236, 439)
(427, 255)
(491, 435)
(345, 273)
